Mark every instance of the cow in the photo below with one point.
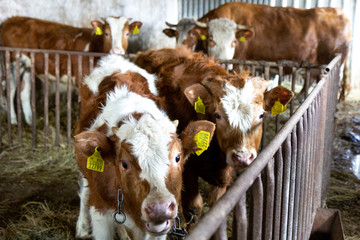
(239, 30)
(197, 87)
(129, 153)
(110, 36)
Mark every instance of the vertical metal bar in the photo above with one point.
(18, 99)
(2, 95)
(269, 204)
(303, 212)
(91, 64)
(278, 192)
(298, 182)
(267, 72)
(57, 100)
(277, 119)
(257, 193)
(8, 79)
(240, 223)
(46, 100)
(33, 104)
(69, 83)
(79, 75)
(292, 199)
(307, 82)
(286, 188)
(293, 83)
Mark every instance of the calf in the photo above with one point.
(23, 32)
(129, 153)
(196, 87)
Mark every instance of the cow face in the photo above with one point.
(237, 107)
(144, 158)
(181, 30)
(115, 33)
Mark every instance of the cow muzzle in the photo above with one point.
(117, 50)
(159, 216)
(240, 159)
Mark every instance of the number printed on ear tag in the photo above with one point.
(95, 162)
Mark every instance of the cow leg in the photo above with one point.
(192, 202)
(83, 222)
(25, 97)
(103, 225)
(12, 93)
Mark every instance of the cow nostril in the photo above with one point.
(149, 208)
(172, 206)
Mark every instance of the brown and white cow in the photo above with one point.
(110, 36)
(262, 32)
(196, 87)
(141, 154)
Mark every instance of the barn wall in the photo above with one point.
(197, 8)
(80, 13)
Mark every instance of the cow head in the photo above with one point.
(224, 36)
(181, 29)
(115, 33)
(237, 105)
(144, 157)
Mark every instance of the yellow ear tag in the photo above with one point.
(98, 31)
(95, 161)
(202, 141)
(136, 30)
(203, 37)
(278, 108)
(242, 39)
(199, 106)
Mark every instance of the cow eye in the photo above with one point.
(177, 158)
(124, 164)
(127, 34)
(261, 115)
(106, 34)
(217, 116)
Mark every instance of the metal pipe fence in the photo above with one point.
(276, 197)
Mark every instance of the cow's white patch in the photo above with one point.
(117, 26)
(237, 104)
(113, 63)
(150, 140)
(83, 229)
(223, 32)
(103, 225)
(121, 103)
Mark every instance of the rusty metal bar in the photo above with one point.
(57, 100)
(46, 100)
(68, 110)
(286, 188)
(257, 193)
(240, 223)
(8, 87)
(33, 104)
(212, 219)
(270, 197)
(18, 97)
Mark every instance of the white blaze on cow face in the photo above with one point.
(244, 111)
(117, 26)
(222, 40)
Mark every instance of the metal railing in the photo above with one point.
(288, 180)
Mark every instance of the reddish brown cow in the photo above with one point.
(196, 87)
(23, 32)
(129, 152)
(278, 33)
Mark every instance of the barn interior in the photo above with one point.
(39, 181)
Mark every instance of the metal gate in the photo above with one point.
(286, 183)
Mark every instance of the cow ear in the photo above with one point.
(196, 137)
(280, 93)
(170, 32)
(195, 91)
(97, 25)
(134, 27)
(86, 142)
(243, 35)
